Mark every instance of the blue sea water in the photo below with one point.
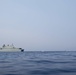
(38, 63)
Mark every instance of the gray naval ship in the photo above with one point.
(10, 48)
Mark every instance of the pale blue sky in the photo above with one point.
(38, 24)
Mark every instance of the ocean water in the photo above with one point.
(38, 63)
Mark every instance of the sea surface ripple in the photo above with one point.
(38, 63)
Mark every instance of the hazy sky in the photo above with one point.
(38, 24)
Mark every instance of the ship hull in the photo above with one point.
(11, 50)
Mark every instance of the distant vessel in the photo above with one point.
(10, 48)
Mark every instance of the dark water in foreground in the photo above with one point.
(38, 63)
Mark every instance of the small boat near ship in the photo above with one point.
(10, 48)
